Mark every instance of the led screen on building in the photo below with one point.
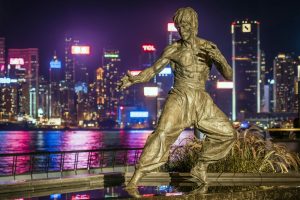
(55, 64)
(80, 50)
(16, 61)
(151, 91)
(139, 114)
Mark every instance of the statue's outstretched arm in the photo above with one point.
(149, 73)
(219, 60)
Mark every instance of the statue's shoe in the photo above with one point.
(137, 176)
(134, 192)
(199, 172)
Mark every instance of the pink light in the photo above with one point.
(80, 50)
(148, 47)
(80, 196)
(16, 61)
(121, 108)
(224, 85)
(135, 72)
(2, 68)
(171, 27)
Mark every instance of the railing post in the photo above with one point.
(31, 166)
(89, 162)
(76, 162)
(47, 164)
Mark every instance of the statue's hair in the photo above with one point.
(187, 15)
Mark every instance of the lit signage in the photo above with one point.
(16, 61)
(55, 196)
(135, 72)
(148, 47)
(80, 196)
(224, 85)
(246, 28)
(2, 68)
(171, 27)
(85, 50)
(139, 114)
(110, 55)
(165, 71)
(150, 91)
(8, 80)
(55, 64)
(81, 87)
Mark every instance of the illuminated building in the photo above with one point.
(76, 74)
(2, 57)
(285, 76)
(147, 55)
(111, 63)
(246, 68)
(55, 72)
(24, 64)
(82, 104)
(44, 99)
(8, 99)
(100, 92)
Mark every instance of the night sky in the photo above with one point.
(126, 25)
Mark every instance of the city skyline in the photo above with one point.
(99, 24)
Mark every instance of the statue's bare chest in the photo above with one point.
(191, 60)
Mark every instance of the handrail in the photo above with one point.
(12, 164)
(72, 151)
(283, 129)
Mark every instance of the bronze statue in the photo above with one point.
(188, 103)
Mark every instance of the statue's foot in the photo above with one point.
(199, 172)
(201, 189)
(133, 192)
(137, 176)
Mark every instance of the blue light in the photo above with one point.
(139, 114)
(55, 196)
(166, 71)
(245, 124)
(81, 87)
(55, 64)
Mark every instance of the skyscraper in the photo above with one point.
(285, 77)
(2, 57)
(55, 71)
(111, 62)
(25, 63)
(246, 68)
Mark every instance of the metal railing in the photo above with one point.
(283, 133)
(12, 164)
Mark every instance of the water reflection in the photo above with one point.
(51, 141)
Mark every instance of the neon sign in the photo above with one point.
(85, 50)
(55, 64)
(165, 71)
(139, 114)
(171, 27)
(135, 72)
(224, 85)
(111, 55)
(150, 91)
(148, 47)
(16, 61)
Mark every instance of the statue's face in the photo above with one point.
(185, 30)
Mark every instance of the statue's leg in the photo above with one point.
(220, 135)
(156, 151)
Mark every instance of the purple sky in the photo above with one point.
(126, 25)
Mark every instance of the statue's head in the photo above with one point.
(186, 18)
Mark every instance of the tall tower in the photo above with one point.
(285, 99)
(111, 64)
(246, 68)
(2, 57)
(24, 63)
(55, 78)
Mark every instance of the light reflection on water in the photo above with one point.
(35, 141)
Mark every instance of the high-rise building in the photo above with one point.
(246, 53)
(8, 99)
(285, 77)
(2, 57)
(44, 99)
(76, 75)
(111, 62)
(24, 64)
(100, 92)
(55, 72)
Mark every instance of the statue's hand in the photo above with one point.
(126, 81)
(214, 53)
